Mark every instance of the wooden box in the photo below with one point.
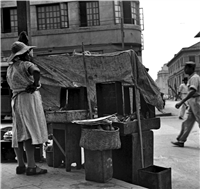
(147, 110)
(109, 98)
(155, 177)
(132, 126)
(74, 98)
(127, 159)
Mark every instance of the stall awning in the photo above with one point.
(68, 71)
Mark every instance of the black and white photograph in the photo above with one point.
(100, 94)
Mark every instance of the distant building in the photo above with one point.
(60, 27)
(162, 78)
(176, 65)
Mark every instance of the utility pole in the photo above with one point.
(23, 18)
(122, 24)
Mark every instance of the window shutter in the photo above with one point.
(83, 13)
(6, 20)
(127, 12)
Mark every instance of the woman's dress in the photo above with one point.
(28, 115)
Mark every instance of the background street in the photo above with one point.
(184, 162)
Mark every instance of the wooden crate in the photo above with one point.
(112, 98)
(74, 98)
(130, 127)
(109, 98)
(147, 110)
(127, 159)
(155, 177)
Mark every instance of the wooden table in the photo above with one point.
(66, 138)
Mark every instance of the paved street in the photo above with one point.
(185, 162)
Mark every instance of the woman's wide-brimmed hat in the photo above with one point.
(19, 48)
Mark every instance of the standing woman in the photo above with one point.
(29, 124)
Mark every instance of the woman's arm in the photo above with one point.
(35, 72)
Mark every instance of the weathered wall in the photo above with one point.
(95, 37)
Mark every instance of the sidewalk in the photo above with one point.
(168, 110)
(56, 178)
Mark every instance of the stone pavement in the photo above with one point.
(56, 178)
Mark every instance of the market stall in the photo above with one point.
(117, 83)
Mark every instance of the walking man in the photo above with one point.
(182, 93)
(193, 98)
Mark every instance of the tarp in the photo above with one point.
(68, 71)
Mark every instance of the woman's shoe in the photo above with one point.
(35, 171)
(20, 170)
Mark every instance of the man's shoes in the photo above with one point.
(178, 143)
(180, 117)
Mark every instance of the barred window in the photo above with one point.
(13, 20)
(89, 13)
(9, 20)
(131, 12)
(181, 60)
(52, 16)
(135, 13)
(192, 58)
(117, 12)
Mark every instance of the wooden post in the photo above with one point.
(137, 95)
(86, 82)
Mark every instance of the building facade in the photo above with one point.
(60, 27)
(176, 66)
(162, 79)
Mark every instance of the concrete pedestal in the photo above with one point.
(98, 165)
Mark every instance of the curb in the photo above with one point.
(164, 114)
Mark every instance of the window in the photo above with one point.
(89, 13)
(130, 12)
(135, 13)
(9, 20)
(178, 65)
(52, 16)
(192, 58)
(117, 12)
(181, 60)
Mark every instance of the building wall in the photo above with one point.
(104, 38)
(162, 79)
(176, 66)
